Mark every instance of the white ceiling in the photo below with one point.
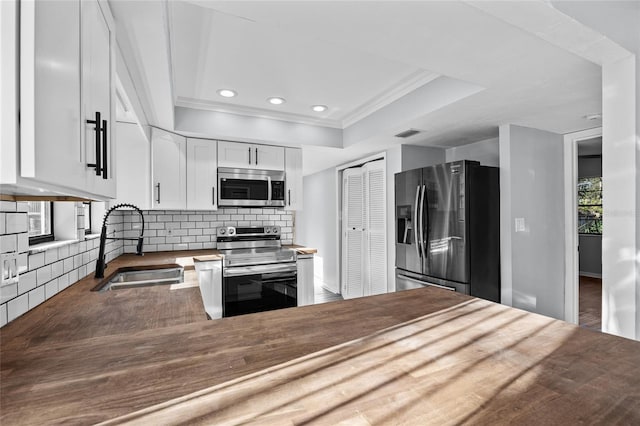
(359, 57)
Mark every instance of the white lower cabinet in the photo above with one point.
(202, 174)
(210, 281)
(305, 279)
(168, 170)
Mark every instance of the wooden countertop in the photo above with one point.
(425, 356)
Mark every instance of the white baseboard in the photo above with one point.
(590, 274)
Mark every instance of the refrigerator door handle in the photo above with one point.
(415, 222)
(422, 236)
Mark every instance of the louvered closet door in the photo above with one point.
(353, 238)
(375, 230)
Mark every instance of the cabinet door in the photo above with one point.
(305, 280)
(268, 157)
(50, 142)
(168, 169)
(293, 171)
(201, 174)
(235, 155)
(98, 94)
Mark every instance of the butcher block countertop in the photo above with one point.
(425, 356)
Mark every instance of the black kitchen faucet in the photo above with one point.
(100, 263)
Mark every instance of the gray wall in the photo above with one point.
(317, 226)
(487, 152)
(531, 181)
(590, 259)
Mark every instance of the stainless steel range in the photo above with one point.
(258, 274)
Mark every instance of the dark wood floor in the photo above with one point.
(590, 300)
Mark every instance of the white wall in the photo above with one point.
(220, 125)
(531, 187)
(316, 225)
(487, 152)
(621, 156)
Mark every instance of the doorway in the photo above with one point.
(589, 210)
(583, 228)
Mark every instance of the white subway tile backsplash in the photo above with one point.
(27, 282)
(23, 242)
(51, 289)
(50, 256)
(8, 243)
(8, 206)
(67, 265)
(63, 252)
(43, 275)
(36, 260)
(195, 232)
(17, 307)
(182, 246)
(187, 225)
(8, 292)
(3, 315)
(16, 223)
(57, 269)
(195, 246)
(63, 282)
(36, 297)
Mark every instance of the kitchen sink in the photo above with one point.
(144, 278)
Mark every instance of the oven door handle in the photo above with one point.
(237, 271)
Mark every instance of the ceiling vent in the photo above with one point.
(407, 133)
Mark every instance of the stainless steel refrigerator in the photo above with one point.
(448, 228)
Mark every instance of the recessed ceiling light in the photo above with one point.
(226, 93)
(276, 101)
(319, 108)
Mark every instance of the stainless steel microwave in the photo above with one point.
(250, 188)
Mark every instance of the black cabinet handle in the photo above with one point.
(104, 149)
(98, 164)
(256, 156)
(158, 199)
(249, 155)
(213, 195)
(289, 197)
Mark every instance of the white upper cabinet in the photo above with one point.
(268, 157)
(168, 170)
(50, 142)
(235, 155)
(98, 95)
(293, 171)
(66, 75)
(201, 174)
(240, 155)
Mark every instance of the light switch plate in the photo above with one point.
(9, 263)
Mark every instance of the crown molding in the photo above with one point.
(255, 112)
(402, 88)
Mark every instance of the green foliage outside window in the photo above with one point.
(590, 205)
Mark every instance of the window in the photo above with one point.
(590, 205)
(87, 218)
(40, 222)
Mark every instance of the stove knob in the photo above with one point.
(268, 230)
(231, 231)
(275, 230)
(222, 231)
